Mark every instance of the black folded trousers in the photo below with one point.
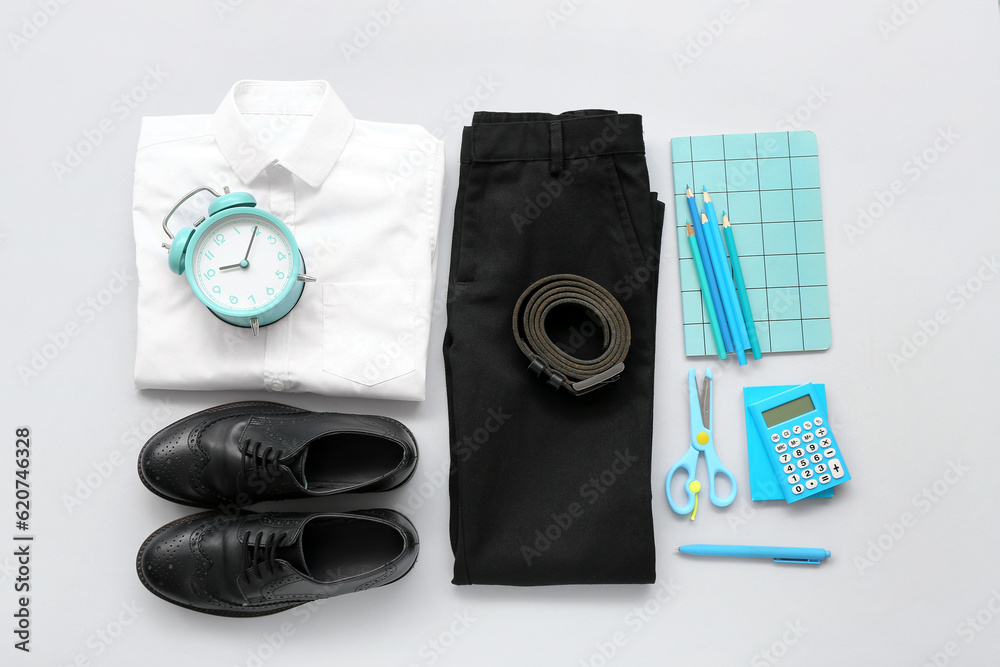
(547, 487)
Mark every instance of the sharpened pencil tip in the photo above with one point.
(704, 189)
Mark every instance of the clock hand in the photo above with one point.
(253, 233)
(242, 263)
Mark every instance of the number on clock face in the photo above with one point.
(239, 275)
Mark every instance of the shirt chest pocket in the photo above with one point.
(368, 330)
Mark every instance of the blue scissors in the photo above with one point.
(701, 441)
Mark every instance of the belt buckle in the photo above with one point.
(555, 379)
(597, 381)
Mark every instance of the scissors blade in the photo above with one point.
(705, 401)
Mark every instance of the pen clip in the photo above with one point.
(801, 561)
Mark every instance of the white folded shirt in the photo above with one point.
(362, 199)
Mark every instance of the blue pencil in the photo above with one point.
(727, 274)
(706, 261)
(720, 266)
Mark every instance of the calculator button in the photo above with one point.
(821, 432)
(837, 468)
(811, 484)
(797, 489)
(789, 468)
(780, 447)
(786, 433)
(824, 479)
(818, 421)
(803, 463)
(793, 479)
(785, 458)
(830, 453)
(807, 426)
(775, 437)
(812, 447)
(807, 473)
(815, 458)
(794, 442)
(799, 453)
(796, 429)
(807, 437)
(825, 442)
(821, 468)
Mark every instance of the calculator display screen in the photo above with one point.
(789, 410)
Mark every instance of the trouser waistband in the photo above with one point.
(507, 137)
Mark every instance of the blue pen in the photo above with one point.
(706, 261)
(727, 277)
(778, 554)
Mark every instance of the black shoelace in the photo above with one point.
(260, 461)
(262, 553)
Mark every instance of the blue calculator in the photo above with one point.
(799, 443)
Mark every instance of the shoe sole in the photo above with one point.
(290, 410)
(219, 612)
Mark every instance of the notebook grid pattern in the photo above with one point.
(768, 184)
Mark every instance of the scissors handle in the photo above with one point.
(688, 462)
(715, 467)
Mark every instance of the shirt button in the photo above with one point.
(277, 385)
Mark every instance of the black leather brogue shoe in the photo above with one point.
(243, 453)
(250, 564)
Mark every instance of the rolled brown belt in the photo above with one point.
(548, 360)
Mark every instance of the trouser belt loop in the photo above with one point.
(555, 147)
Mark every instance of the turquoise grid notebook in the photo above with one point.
(768, 184)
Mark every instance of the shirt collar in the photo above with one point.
(311, 157)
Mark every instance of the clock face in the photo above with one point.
(243, 264)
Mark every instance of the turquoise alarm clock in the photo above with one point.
(241, 262)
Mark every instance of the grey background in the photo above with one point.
(892, 593)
